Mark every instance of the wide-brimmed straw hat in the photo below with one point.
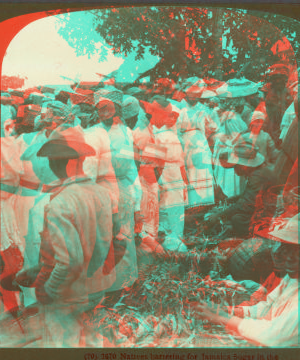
(243, 152)
(288, 233)
(237, 88)
(66, 144)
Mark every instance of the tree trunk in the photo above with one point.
(217, 37)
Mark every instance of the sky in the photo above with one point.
(40, 54)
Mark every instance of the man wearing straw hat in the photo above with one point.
(273, 322)
(246, 160)
(76, 254)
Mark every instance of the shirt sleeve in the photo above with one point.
(67, 251)
(279, 331)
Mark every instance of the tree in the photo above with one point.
(189, 40)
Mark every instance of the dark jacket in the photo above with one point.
(241, 212)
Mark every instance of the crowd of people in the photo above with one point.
(86, 172)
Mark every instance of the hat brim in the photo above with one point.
(281, 235)
(58, 150)
(223, 160)
(284, 236)
(235, 160)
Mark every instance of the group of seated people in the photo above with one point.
(84, 171)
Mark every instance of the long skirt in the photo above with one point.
(149, 207)
(197, 157)
(126, 269)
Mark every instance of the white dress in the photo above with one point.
(171, 187)
(197, 156)
(121, 144)
(230, 183)
(143, 136)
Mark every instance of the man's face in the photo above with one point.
(242, 170)
(286, 258)
(278, 82)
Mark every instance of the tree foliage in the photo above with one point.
(190, 41)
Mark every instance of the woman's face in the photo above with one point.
(131, 122)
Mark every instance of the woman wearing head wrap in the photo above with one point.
(144, 146)
(262, 139)
(191, 127)
(109, 103)
(99, 167)
(171, 183)
(231, 126)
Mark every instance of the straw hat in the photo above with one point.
(66, 144)
(244, 152)
(289, 233)
(206, 94)
(277, 69)
(111, 93)
(130, 107)
(237, 88)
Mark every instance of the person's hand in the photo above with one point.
(212, 313)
